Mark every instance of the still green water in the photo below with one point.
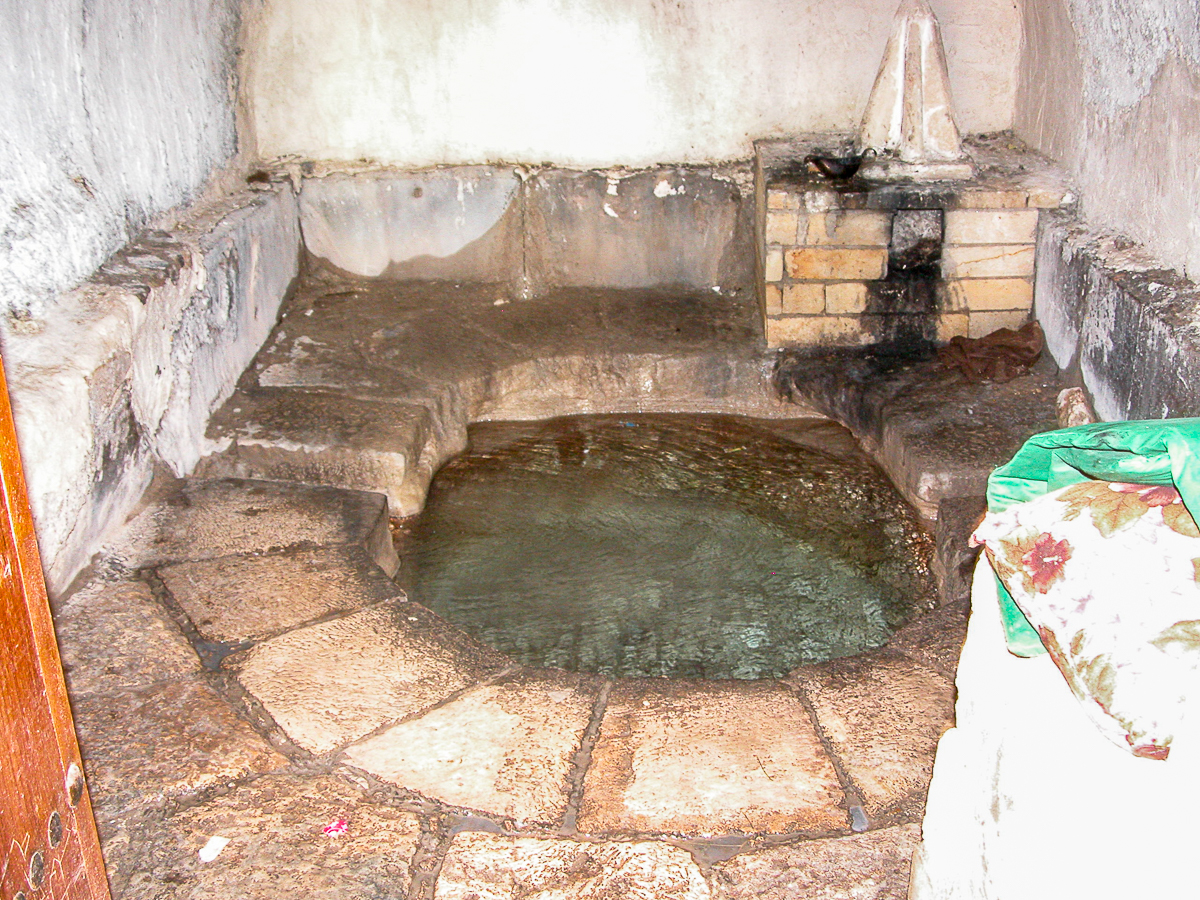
(669, 545)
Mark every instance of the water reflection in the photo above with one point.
(691, 546)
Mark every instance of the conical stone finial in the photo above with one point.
(908, 121)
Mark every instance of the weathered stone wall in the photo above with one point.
(534, 229)
(117, 116)
(1111, 89)
(121, 374)
(591, 82)
(113, 113)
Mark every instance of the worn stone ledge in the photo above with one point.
(1119, 321)
(137, 358)
(534, 229)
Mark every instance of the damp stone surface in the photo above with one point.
(696, 546)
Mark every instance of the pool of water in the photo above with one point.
(668, 545)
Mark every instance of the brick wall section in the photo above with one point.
(821, 249)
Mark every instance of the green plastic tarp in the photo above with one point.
(1156, 452)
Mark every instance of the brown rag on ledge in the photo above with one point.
(1000, 356)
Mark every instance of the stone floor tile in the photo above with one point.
(883, 715)
(276, 847)
(114, 635)
(505, 749)
(709, 758)
(227, 516)
(870, 866)
(935, 638)
(238, 598)
(333, 682)
(323, 438)
(495, 867)
(170, 740)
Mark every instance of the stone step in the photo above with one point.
(320, 438)
(197, 519)
(233, 599)
(936, 436)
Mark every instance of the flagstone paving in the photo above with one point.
(242, 666)
(348, 742)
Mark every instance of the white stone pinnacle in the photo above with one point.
(908, 121)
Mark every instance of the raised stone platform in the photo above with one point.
(370, 384)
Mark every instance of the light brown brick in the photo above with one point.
(849, 228)
(837, 263)
(992, 199)
(989, 226)
(989, 261)
(782, 226)
(845, 297)
(800, 331)
(773, 297)
(984, 323)
(782, 200)
(952, 325)
(774, 265)
(990, 293)
(806, 298)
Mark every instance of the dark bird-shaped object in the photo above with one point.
(835, 167)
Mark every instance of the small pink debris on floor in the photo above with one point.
(336, 828)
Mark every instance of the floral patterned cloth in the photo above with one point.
(1107, 573)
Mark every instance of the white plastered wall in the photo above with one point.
(590, 82)
(113, 113)
(116, 116)
(1111, 89)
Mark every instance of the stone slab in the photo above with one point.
(497, 867)
(504, 749)
(987, 261)
(380, 340)
(170, 740)
(333, 682)
(222, 517)
(849, 228)
(979, 226)
(276, 847)
(936, 638)
(115, 636)
(937, 436)
(883, 715)
(708, 758)
(870, 866)
(240, 598)
(840, 263)
(312, 437)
